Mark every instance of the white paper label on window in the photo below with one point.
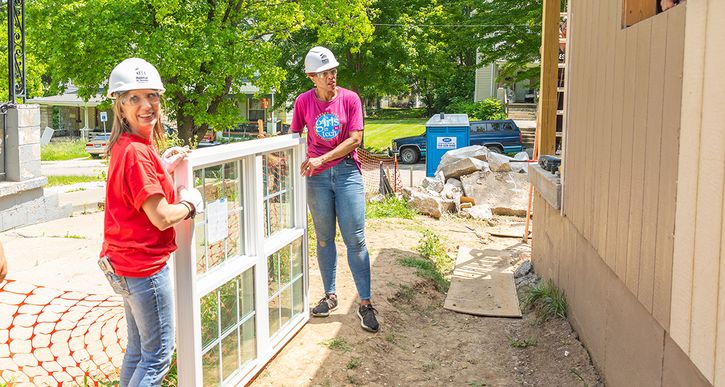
(216, 215)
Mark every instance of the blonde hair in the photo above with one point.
(120, 126)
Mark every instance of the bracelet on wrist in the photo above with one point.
(190, 207)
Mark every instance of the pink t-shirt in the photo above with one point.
(328, 123)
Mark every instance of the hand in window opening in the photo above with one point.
(667, 4)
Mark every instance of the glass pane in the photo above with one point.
(234, 223)
(232, 187)
(267, 230)
(216, 254)
(286, 210)
(285, 306)
(228, 305)
(249, 344)
(296, 258)
(200, 240)
(285, 262)
(213, 188)
(209, 327)
(273, 274)
(210, 365)
(230, 354)
(298, 296)
(276, 191)
(274, 322)
(246, 296)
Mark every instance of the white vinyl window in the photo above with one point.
(241, 266)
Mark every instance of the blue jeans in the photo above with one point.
(338, 194)
(150, 320)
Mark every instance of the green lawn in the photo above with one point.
(380, 133)
(68, 180)
(63, 150)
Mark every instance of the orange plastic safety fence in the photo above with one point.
(371, 171)
(52, 337)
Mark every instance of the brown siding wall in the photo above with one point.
(621, 157)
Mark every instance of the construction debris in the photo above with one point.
(474, 183)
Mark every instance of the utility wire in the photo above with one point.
(448, 25)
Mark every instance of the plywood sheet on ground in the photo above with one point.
(483, 283)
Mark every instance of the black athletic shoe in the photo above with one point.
(325, 306)
(367, 318)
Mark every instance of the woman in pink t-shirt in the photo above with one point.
(335, 190)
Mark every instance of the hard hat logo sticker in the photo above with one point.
(141, 76)
(327, 126)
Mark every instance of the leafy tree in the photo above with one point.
(205, 50)
(513, 35)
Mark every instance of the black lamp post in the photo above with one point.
(16, 50)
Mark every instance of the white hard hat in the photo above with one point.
(319, 59)
(134, 74)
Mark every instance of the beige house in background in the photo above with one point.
(638, 240)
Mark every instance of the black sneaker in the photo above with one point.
(367, 318)
(325, 306)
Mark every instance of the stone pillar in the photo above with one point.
(22, 160)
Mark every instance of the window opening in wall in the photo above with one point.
(637, 10)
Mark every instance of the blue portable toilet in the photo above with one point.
(444, 132)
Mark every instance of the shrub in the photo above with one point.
(490, 109)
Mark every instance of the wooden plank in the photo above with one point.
(709, 202)
(653, 138)
(586, 83)
(715, 60)
(604, 160)
(549, 71)
(672, 105)
(594, 127)
(615, 151)
(688, 174)
(644, 33)
(573, 49)
(638, 10)
(625, 167)
(578, 106)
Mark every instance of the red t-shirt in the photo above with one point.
(134, 245)
(328, 123)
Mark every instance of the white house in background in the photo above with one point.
(72, 113)
(487, 86)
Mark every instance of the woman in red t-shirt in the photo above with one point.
(138, 226)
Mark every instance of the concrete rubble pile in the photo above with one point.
(474, 182)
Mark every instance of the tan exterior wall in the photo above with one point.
(639, 246)
(698, 287)
(627, 344)
(621, 156)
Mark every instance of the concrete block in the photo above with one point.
(678, 369)
(29, 160)
(29, 135)
(458, 168)
(28, 115)
(635, 341)
(505, 193)
(14, 217)
(499, 163)
(547, 184)
(8, 188)
(589, 302)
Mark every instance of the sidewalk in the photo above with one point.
(60, 254)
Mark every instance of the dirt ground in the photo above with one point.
(419, 342)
